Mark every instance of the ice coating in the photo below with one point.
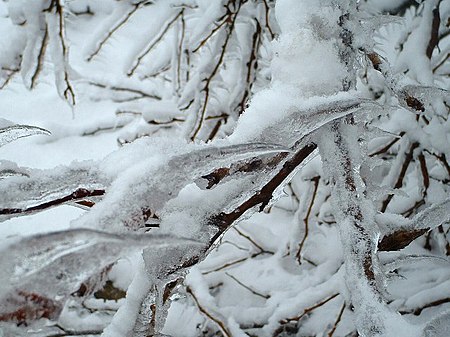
(52, 266)
(259, 280)
(12, 132)
(163, 187)
(40, 188)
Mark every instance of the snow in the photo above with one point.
(127, 135)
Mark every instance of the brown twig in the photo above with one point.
(247, 287)
(141, 93)
(68, 93)
(413, 208)
(40, 60)
(206, 89)
(115, 127)
(226, 265)
(154, 42)
(211, 33)
(222, 118)
(426, 184)
(230, 264)
(215, 130)
(159, 72)
(172, 121)
(298, 256)
(444, 161)
(10, 74)
(437, 66)
(293, 194)
(119, 24)
(262, 197)
(252, 67)
(401, 176)
(261, 249)
(338, 319)
(220, 324)
(80, 193)
(434, 38)
(386, 148)
(308, 310)
(267, 10)
(180, 49)
(419, 310)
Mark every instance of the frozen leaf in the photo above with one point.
(405, 260)
(297, 117)
(398, 237)
(419, 98)
(140, 197)
(433, 216)
(13, 132)
(31, 255)
(9, 169)
(11, 173)
(41, 189)
(52, 265)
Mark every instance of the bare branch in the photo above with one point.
(116, 27)
(338, 319)
(247, 287)
(298, 255)
(154, 42)
(223, 328)
(309, 309)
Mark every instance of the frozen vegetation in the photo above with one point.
(224, 168)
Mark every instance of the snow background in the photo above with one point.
(290, 287)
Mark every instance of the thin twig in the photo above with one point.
(9, 76)
(298, 256)
(434, 38)
(206, 89)
(338, 319)
(293, 194)
(386, 148)
(229, 264)
(155, 41)
(68, 93)
(127, 90)
(419, 310)
(180, 49)
(221, 324)
(262, 197)
(76, 333)
(247, 287)
(115, 127)
(267, 8)
(441, 63)
(261, 249)
(252, 66)
(40, 60)
(226, 265)
(80, 193)
(211, 33)
(308, 310)
(401, 176)
(119, 24)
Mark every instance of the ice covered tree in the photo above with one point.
(291, 156)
